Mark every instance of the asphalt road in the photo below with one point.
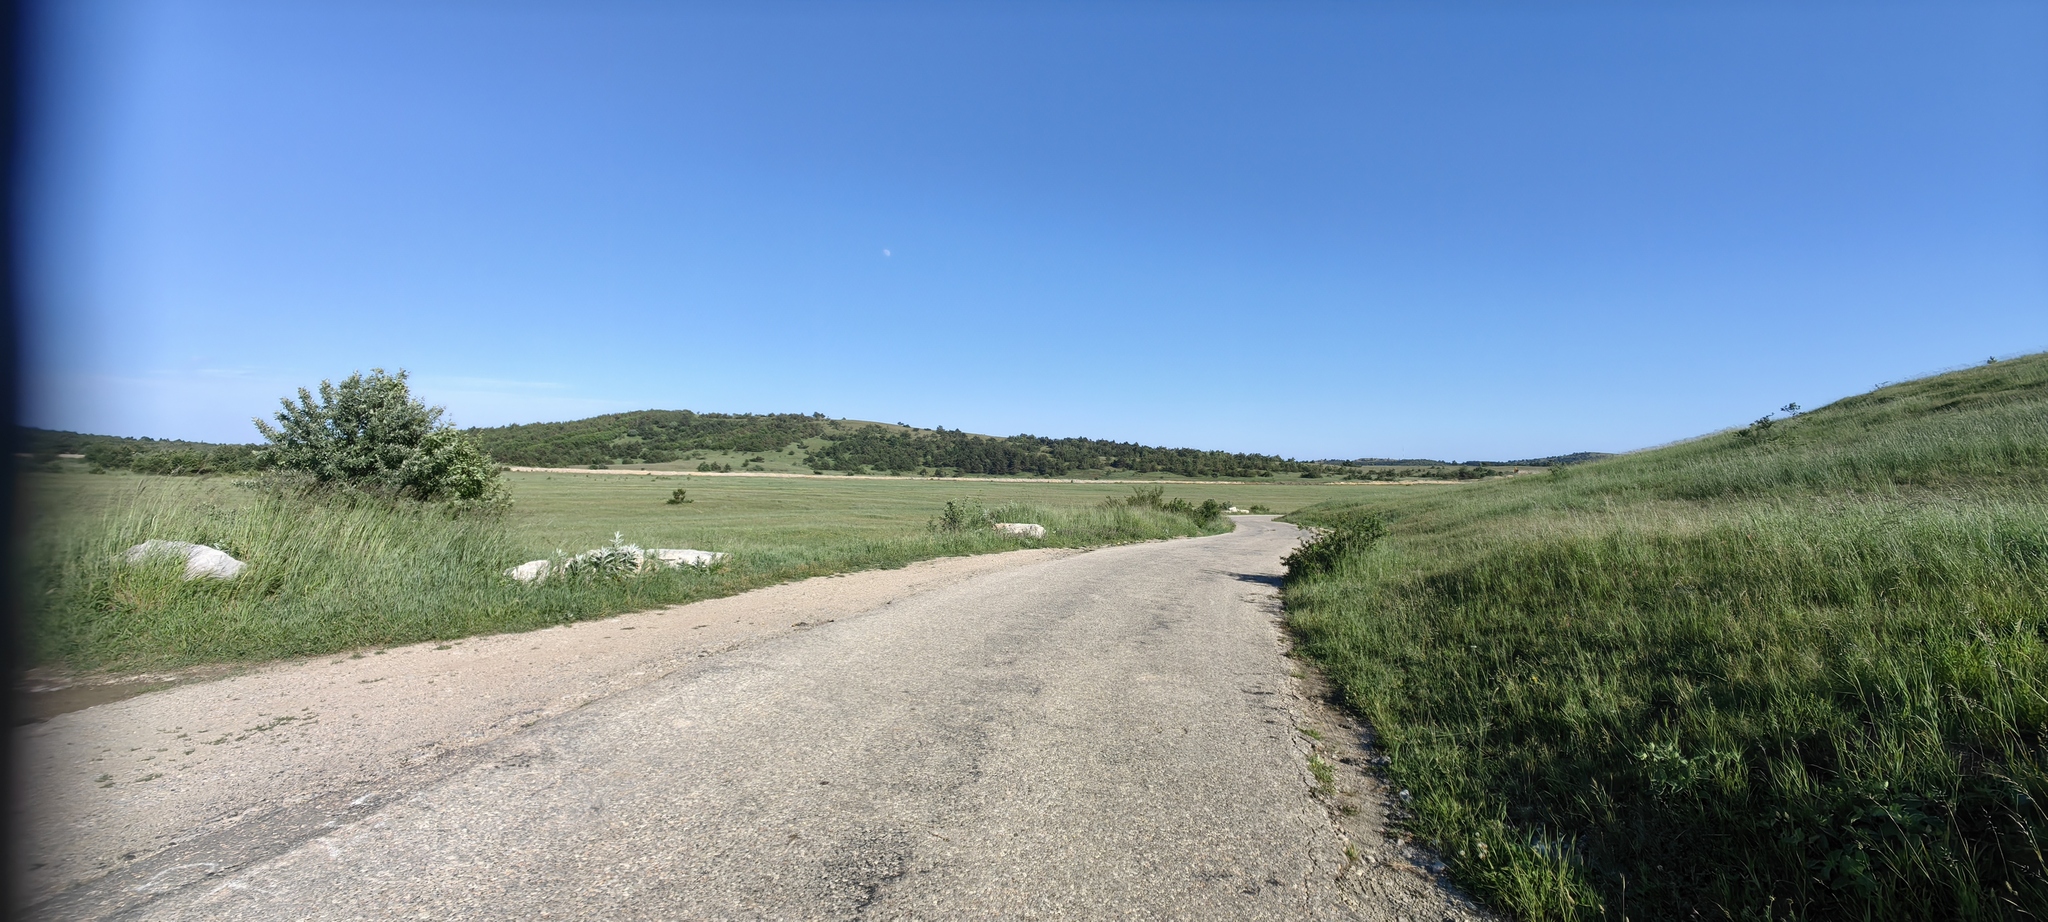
(1104, 735)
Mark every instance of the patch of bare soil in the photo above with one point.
(1386, 874)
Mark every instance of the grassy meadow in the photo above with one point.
(1795, 673)
(324, 578)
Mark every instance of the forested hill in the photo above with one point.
(659, 436)
(664, 436)
(645, 436)
(144, 455)
(881, 449)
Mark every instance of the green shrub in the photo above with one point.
(368, 434)
(616, 560)
(1143, 498)
(1332, 544)
(961, 515)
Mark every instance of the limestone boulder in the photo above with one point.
(684, 557)
(1023, 529)
(532, 571)
(618, 559)
(201, 561)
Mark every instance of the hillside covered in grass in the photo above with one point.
(1798, 671)
(645, 436)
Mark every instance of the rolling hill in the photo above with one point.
(1798, 670)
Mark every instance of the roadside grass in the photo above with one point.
(324, 579)
(1799, 677)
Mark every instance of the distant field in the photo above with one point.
(323, 579)
(560, 510)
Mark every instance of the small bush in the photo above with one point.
(616, 560)
(680, 497)
(1142, 498)
(1155, 498)
(1321, 553)
(961, 515)
(1761, 432)
(368, 434)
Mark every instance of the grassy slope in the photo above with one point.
(324, 579)
(1802, 679)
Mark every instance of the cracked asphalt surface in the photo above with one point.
(1102, 735)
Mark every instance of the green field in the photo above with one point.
(1798, 673)
(561, 510)
(325, 578)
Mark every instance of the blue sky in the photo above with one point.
(1456, 230)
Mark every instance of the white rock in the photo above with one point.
(1235, 511)
(534, 571)
(531, 571)
(684, 557)
(1021, 528)
(200, 560)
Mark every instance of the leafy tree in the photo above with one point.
(371, 434)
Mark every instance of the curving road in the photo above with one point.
(1102, 735)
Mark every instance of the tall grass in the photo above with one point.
(330, 577)
(1803, 679)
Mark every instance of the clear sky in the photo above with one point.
(1324, 230)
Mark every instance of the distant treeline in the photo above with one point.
(644, 437)
(660, 436)
(880, 449)
(1576, 457)
(142, 455)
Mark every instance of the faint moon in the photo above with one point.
(885, 252)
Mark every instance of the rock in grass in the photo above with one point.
(685, 557)
(200, 560)
(531, 571)
(1021, 528)
(637, 560)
